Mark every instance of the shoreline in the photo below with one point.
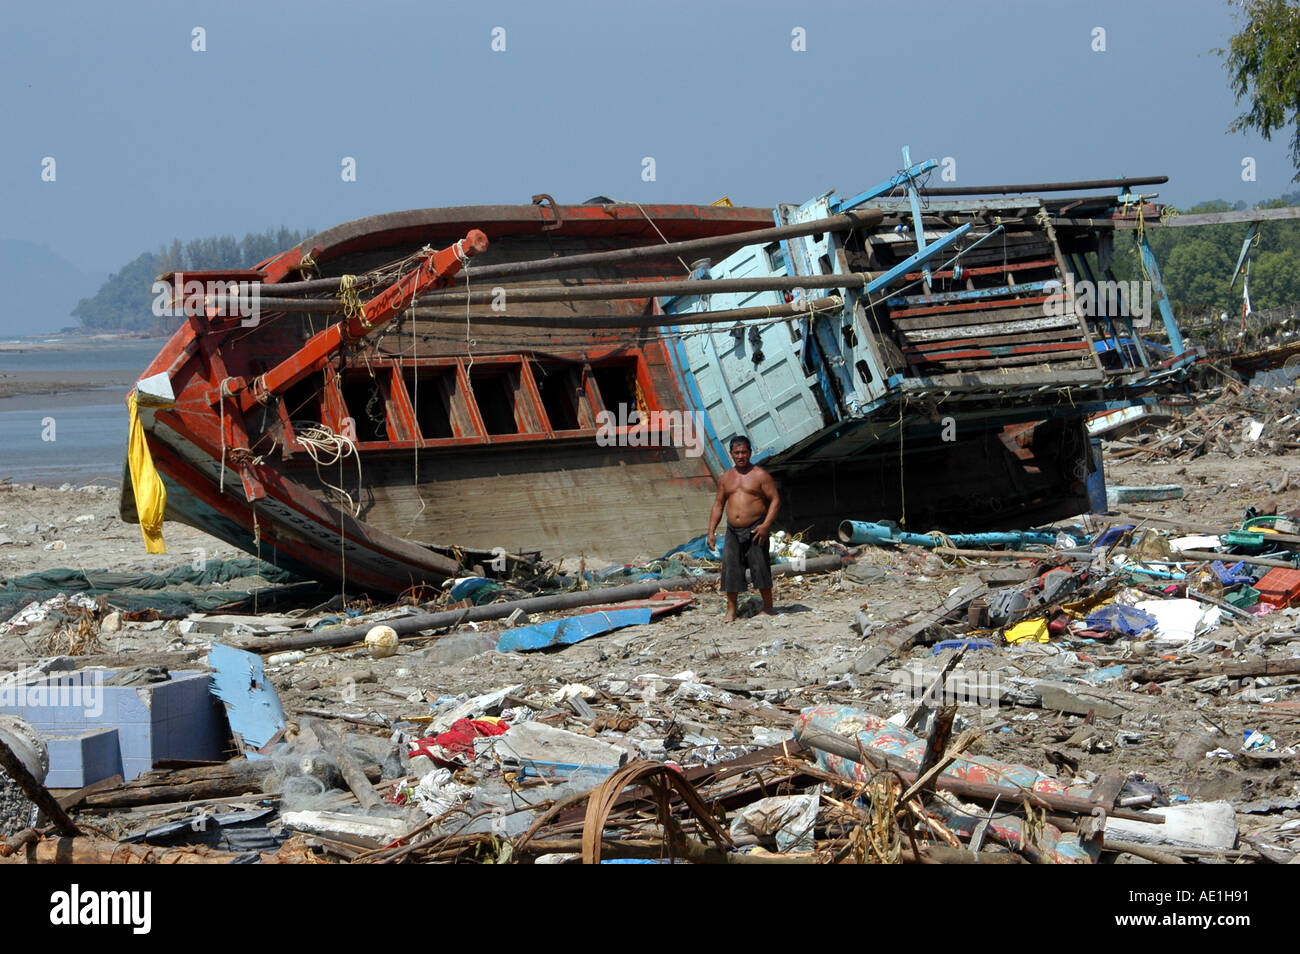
(58, 342)
(17, 387)
(53, 374)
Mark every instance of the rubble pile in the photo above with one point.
(1240, 422)
(1120, 689)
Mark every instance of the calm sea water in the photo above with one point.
(88, 427)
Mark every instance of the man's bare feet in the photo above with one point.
(729, 618)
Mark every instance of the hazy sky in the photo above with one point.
(154, 141)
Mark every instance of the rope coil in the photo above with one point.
(327, 447)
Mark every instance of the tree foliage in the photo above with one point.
(124, 302)
(1196, 263)
(1263, 62)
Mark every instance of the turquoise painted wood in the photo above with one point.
(769, 400)
(252, 705)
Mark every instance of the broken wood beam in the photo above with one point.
(93, 851)
(38, 794)
(1254, 667)
(932, 693)
(349, 767)
(935, 744)
(239, 777)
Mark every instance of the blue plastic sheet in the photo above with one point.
(571, 629)
(1118, 618)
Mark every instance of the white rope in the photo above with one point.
(225, 393)
(661, 234)
(327, 447)
(469, 342)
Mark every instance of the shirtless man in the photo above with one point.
(751, 500)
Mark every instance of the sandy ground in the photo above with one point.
(34, 521)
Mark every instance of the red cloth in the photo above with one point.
(445, 747)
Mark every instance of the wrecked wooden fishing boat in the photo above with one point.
(407, 397)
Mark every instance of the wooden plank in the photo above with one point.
(1074, 360)
(1029, 353)
(74, 799)
(989, 328)
(985, 293)
(976, 318)
(928, 347)
(991, 269)
(1220, 218)
(1031, 377)
(971, 306)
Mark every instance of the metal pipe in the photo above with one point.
(346, 635)
(1029, 187)
(667, 289)
(565, 293)
(812, 307)
(861, 218)
(856, 531)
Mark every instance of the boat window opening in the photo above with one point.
(775, 257)
(431, 401)
(864, 369)
(617, 385)
(302, 402)
(364, 400)
(558, 387)
(495, 397)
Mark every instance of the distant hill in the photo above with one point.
(125, 301)
(41, 288)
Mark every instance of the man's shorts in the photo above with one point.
(740, 551)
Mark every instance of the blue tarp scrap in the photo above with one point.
(1118, 618)
(1110, 535)
(571, 629)
(695, 549)
(252, 705)
(970, 644)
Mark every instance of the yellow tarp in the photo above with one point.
(1030, 629)
(150, 494)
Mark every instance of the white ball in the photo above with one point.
(382, 641)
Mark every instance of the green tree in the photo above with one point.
(124, 302)
(1263, 62)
